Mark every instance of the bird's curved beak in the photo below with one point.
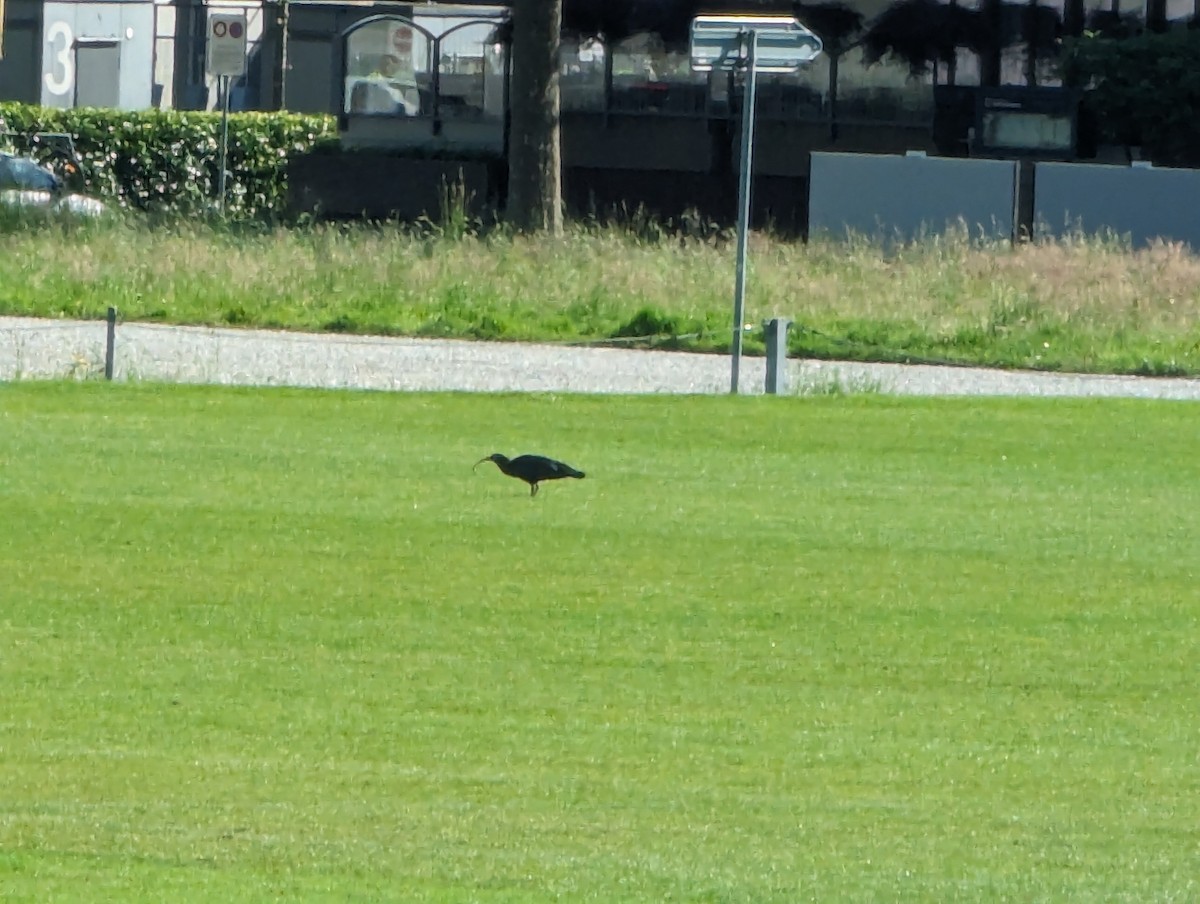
(481, 461)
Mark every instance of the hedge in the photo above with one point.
(169, 160)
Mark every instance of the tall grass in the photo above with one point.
(1076, 304)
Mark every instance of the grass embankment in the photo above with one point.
(1089, 306)
(286, 645)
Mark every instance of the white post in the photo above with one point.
(739, 292)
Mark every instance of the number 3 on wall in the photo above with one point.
(60, 77)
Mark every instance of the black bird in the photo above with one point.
(531, 468)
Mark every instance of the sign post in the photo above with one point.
(226, 59)
(743, 225)
(755, 44)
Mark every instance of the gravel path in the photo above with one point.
(43, 349)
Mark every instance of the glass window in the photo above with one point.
(387, 69)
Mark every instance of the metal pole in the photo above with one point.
(224, 82)
(739, 292)
(110, 344)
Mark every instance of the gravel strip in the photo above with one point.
(49, 349)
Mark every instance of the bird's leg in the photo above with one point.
(533, 488)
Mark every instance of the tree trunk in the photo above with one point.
(534, 147)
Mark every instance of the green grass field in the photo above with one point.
(285, 645)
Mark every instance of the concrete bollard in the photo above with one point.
(776, 330)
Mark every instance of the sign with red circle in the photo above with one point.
(226, 50)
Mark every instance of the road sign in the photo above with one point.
(755, 44)
(784, 45)
(226, 45)
(226, 59)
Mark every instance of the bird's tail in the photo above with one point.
(577, 474)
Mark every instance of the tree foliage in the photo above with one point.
(615, 20)
(922, 33)
(837, 25)
(1143, 90)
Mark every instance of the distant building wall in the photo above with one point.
(382, 185)
(182, 81)
(97, 54)
(314, 50)
(620, 141)
(244, 93)
(20, 70)
(1143, 203)
(902, 197)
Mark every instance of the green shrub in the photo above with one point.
(169, 161)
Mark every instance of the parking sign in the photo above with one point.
(226, 45)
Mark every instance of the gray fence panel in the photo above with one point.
(1143, 203)
(893, 197)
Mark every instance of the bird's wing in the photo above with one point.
(538, 460)
(540, 464)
